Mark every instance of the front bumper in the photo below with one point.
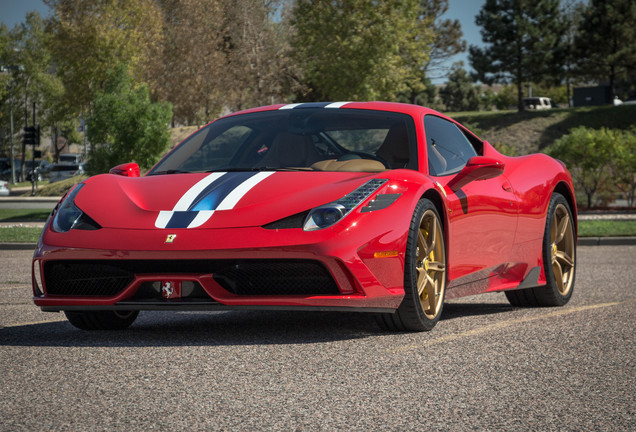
(211, 269)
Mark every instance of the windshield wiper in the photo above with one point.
(258, 169)
(171, 171)
(244, 169)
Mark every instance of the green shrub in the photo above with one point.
(602, 162)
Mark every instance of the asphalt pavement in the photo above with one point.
(485, 367)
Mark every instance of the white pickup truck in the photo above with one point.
(538, 103)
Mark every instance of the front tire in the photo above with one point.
(424, 274)
(559, 260)
(101, 320)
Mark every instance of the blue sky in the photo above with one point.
(13, 12)
(465, 11)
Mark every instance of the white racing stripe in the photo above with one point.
(290, 106)
(186, 200)
(230, 201)
(337, 104)
(202, 216)
(163, 218)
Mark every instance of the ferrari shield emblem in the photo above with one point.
(171, 238)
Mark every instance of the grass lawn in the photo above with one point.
(19, 235)
(24, 215)
(607, 228)
(593, 228)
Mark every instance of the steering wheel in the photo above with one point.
(363, 155)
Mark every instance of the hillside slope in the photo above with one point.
(526, 132)
(530, 132)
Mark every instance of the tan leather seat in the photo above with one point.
(353, 165)
(290, 150)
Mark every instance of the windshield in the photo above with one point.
(298, 139)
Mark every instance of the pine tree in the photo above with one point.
(521, 38)
(606, 42)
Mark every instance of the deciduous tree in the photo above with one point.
(221, 54)
(125, 125)
(31, 79)
(262, 71)
(92, 37)
(447, 38)
(361, 49)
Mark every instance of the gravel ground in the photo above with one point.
(486, 366)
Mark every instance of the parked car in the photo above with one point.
(42, 168)
(4, 188)
(630, 101)
(5, 168)
(371, 207)
(63, 171)
(538, 103)
(72, 158)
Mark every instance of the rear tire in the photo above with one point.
(424, 274)
(101, 320)
(559, 260)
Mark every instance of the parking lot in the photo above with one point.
(486, 366)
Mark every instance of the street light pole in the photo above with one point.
(5, 69)
(12, 145)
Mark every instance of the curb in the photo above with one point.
(18, 246)
(606, 241)
(583, 241)
(29, 199)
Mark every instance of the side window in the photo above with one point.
(447, 147)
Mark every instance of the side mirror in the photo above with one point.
(477, 168)
(130, 169)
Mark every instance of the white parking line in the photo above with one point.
(16, 286)
(29, 323)
(504, 324)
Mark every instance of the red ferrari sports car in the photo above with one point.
(360, 206)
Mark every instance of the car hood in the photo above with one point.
(210, 200)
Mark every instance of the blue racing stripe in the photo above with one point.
(312, 105)
(218, 190)
(181, 219)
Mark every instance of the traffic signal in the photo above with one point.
(32, 135)
(29, 135)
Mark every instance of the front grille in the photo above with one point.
(85, 278)
(276, 278)
(241, 277)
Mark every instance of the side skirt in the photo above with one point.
(532, 279)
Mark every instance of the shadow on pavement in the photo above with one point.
(460, 310)
(155, 329)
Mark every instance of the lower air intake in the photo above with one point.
(241, 277)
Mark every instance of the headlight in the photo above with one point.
(69, 216)
(328, 214)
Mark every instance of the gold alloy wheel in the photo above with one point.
(562, 249)
(430, 264)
